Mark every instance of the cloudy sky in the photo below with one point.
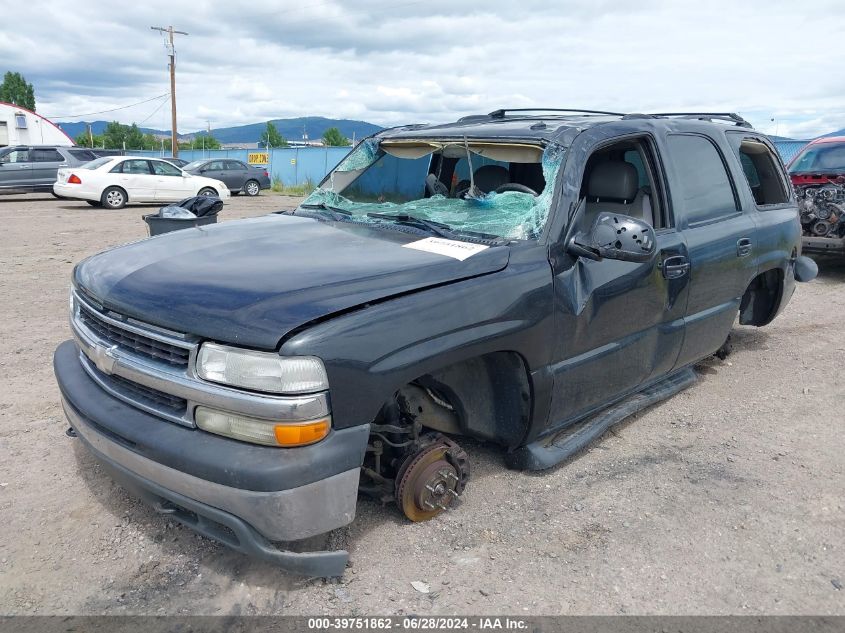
(433, 60)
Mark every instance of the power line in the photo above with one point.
(158, 107)
(131, 105)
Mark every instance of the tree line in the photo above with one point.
(120, 136)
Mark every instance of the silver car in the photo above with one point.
(33, 168)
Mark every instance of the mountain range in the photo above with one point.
(291, 129)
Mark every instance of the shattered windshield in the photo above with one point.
(459, 189)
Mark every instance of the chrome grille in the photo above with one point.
(133, 341)
(151, 397)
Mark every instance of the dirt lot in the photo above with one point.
(726, 499)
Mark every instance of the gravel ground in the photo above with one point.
(726, 499)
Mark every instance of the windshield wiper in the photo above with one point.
(438, 228)
(336, 213)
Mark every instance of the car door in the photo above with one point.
(619, 325)
(213, 169)
(45, 165)
(15, 171)
(136, 177)
(171, 184)
(720, 237)
(236, 175)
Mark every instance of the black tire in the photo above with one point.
(235, 193)
(93, 203)
(207, 191)
(252, 188)
(114, 198)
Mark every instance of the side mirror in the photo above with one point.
(615, 236)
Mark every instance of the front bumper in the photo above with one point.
(230, 491)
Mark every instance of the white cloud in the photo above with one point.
(398, 62)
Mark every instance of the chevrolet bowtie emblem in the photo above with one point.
(104, 358)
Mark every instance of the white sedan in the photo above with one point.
(112, 181)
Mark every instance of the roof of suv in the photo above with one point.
(543, 124)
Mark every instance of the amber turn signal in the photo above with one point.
(301, 434)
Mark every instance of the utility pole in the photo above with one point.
(171, 49)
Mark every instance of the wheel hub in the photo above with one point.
(431, 479)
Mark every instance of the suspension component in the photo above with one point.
(430, 479)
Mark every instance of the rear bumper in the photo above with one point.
(230, 491)
(822, 245)
(74, 191)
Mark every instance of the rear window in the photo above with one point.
(762, 170)
(82, 154)
(97, 162)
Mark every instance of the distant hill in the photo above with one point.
(291, 129)
(836, 133)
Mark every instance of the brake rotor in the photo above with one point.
(430, 480)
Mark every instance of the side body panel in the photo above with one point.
(617, 324)
(722, 257)
(372, 351)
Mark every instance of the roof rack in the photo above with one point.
(733, 117)
(500, 114)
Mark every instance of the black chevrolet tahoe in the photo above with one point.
(527, 278)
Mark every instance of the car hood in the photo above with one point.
(250, 282)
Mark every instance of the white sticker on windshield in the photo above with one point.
(449, 248)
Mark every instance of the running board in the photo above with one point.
(552, 450)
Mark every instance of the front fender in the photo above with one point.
(373, 351)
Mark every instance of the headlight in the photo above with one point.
(246, 429)
(261, 371)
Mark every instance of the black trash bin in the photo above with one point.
(204, 208)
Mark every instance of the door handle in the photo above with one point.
(674, 267)
(743, 247)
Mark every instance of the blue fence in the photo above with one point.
(298, 165)
(292, 165)
(789, 149)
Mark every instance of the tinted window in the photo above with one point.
(703, 189)
(82, 154)
(762, 170)
(234, 165)
(633, 156)
(45, 156)
(214, 165)
(194, 165)
(165, 169)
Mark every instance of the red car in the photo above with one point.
(818, 175)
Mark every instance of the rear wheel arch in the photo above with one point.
(762, 298)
